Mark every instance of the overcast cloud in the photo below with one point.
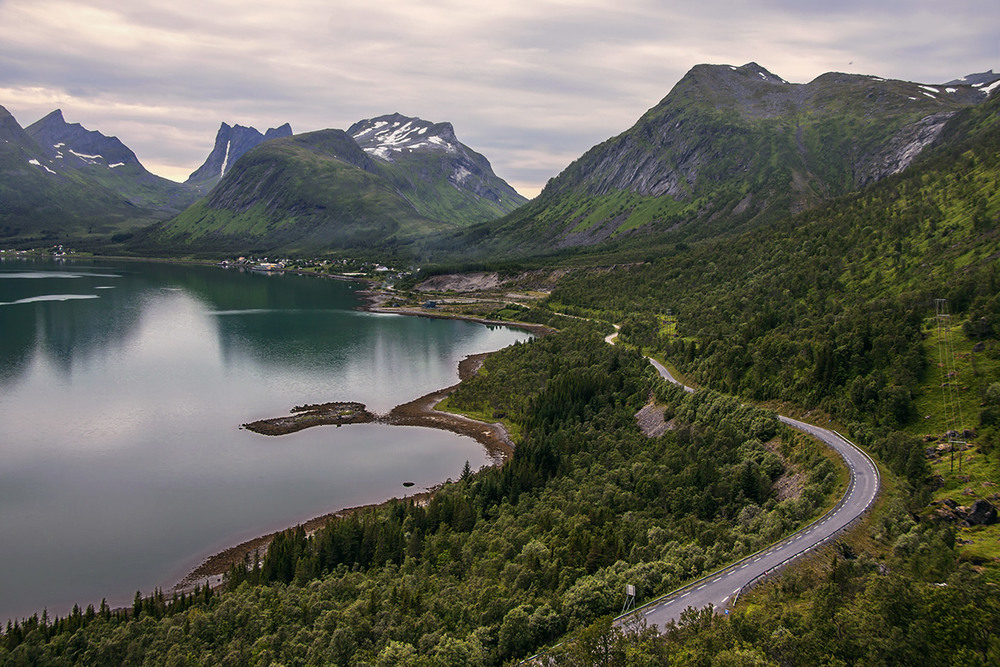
(531, 84)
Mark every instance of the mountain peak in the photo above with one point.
(75, 146)
(278, 132)
(56, 115)
(383, 136)
(231, 142)
(977, 79)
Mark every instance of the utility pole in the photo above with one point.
(629, 598)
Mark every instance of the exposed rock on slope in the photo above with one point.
(421, 156)
(231, 143)
(388, 180)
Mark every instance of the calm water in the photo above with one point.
(122, 387)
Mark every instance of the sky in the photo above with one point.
(531, 84)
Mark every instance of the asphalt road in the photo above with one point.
(721, 588)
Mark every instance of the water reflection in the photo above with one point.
(119, 417)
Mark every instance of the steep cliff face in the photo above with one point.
(733, 146)
(903, 148)
(231, 143)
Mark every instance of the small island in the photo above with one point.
(304, 416)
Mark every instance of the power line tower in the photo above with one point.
(952, 406)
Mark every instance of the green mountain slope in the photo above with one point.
(729, 148)
(388, 181)
(826, 308)
(110, 163)
(42, 203)
(306, 192)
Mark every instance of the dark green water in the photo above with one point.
(122, 387)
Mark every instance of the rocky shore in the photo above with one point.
(304, 416)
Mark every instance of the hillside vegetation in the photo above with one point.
(827, 308)
(307, 191)
(502, 560)
(728, 149)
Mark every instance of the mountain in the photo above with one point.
(311, 191)
(109, 162)
(231, 142)
(42, 200)
(729, 148)
(388, 180)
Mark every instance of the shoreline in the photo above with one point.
(419, 412)
(376, 299)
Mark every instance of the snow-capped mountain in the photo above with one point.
(395, 134)
(387, 180)
(73, 146)
(418, 151)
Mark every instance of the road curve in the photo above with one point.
(721, 588)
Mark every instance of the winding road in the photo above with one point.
(722, 588)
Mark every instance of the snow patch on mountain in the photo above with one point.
(89, 159)
(225, 160)
(388, 135)
(39, 164)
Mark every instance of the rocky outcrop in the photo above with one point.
(231, 143)
(651, 422)
(903, 148)
(981, 513)
(422, 153)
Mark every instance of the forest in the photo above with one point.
(500, 561)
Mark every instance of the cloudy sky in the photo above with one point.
(531, 84)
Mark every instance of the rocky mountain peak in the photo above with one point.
(73, 145)
(278, 132)
(231, 142)
(395, 133)
(10, 130)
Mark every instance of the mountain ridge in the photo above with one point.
(731, 147)
(107, 160)
(292, 192)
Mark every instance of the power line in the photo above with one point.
(952, 405)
